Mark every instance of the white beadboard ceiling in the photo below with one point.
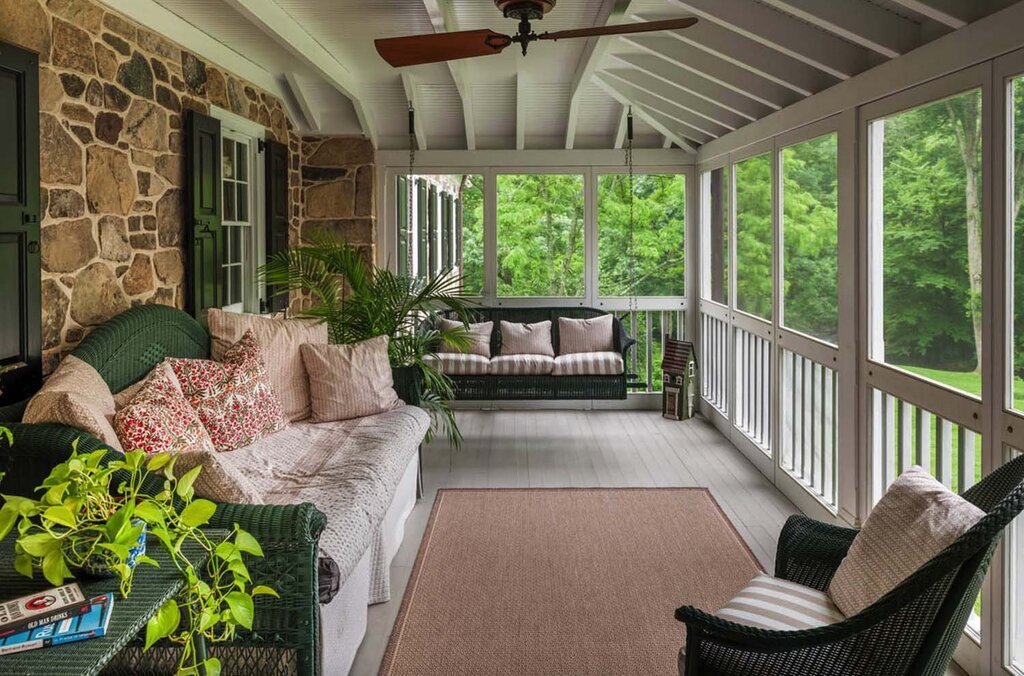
(743, 60)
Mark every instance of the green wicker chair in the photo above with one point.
(913, 629)
(286, 634)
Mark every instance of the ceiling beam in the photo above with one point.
(621, 130)
(752, 56)
(679, 97)
(953, 13)
(716, 69)
(440, 16)
(612, 12)
(685, 122)
(860, 22)
(310, 116)
(667, 144)
(663, 126)
(696, 85)
(783, 33)
(269, 17)
(413, 97)
(520, 111)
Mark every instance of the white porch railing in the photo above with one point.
(713, 358)
(649, 327)
(810, 425)
(753, 387)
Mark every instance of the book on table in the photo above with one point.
(33, 610)
(92, 623)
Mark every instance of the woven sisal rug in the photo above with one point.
(563, 581)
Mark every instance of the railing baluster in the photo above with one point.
(889, 433)
(907, 422)
(967, 460)
(650, 351)
(944, 451)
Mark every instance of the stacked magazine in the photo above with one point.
(52, 617)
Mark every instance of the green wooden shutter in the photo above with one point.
(402, 224)
(458, 233)
(422, 230)
(203, 241)
(20, 304)
(278, 215)
(432, 231)
(449, 231)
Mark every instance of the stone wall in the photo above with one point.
(112, 99)
(338, 189)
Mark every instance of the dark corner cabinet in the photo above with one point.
(20, 304)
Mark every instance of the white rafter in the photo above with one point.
(696, 85)
(724, 73)
(783, 33)
(953, 13)
(413, 96)
(696, 128)
(674, 95)
(751, 55)
(440, 16)
(311, 118)
(268, 16)
(666, 127)
(858, 21)
(662, 125)
(612, 12)
(623, 128)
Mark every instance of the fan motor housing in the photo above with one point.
(531, 10)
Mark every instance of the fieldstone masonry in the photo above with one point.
(112, 97)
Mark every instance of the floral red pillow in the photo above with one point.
(159, 418)
(233, 398)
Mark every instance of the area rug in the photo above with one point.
(563, 581)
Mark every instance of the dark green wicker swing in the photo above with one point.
(913, 629)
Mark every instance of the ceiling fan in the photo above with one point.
(414, 50)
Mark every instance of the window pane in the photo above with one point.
(228, 158)
(540, 235)
(659, 208)
(1017, 191)
(230, 214)
(242, 161)
(754, 236)
(470, 216)
(926, 188)
(715, 255)
(810, 235)
(242, 192)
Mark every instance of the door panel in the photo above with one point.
(20, 308)
(278, 207)
(204, 206)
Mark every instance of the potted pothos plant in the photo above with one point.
(91, 518)
(359, 300)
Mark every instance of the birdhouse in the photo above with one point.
(679, 368)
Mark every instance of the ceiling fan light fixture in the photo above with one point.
(529, 10)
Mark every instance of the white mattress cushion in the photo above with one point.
(589, 364)
(522, 365)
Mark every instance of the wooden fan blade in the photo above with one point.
(624, 29)
(414, 50)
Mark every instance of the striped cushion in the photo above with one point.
(916, 519)
(589, 364)
(349, 381)
(526, 338)
(522, 365)
(454, 364)
(770, 603)
(480, 340)
(585, 335)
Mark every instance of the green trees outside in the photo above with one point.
(754, 236)
(471, 197)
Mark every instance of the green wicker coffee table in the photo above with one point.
(151, 587)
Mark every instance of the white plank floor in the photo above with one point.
(583, 448)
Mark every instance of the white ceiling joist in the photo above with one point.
(413, 97)
(620, 132)
(269, 17)
(860, 22)
(750, 55)
(783, 33)
(726, 74)
(954, 13)
(311, 117)
(442, 22)
(612, 12)
(672, 94)
(666, 127)
(696, 85)
(686, 122)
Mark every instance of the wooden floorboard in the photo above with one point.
(546, 449)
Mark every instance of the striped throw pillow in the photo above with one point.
(526, 338)
(585, 335)
(916, 519)
(480, 340)
(349, 381)
(770, 603)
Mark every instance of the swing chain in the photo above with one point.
(633, 302)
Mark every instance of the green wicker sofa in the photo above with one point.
(913, 629)
(513, 387)
(286, 632)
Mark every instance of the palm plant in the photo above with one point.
(358, 301)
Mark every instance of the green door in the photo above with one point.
(20, 305)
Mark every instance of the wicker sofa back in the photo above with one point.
(512, 387)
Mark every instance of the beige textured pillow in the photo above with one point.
(350, 381)
(76, 395)
(279, 340)
(585, 335)
(218, 480)
(916, 519)
(526, 339)
(481, 338)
